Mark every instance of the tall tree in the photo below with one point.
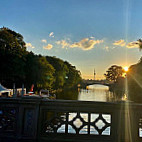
(20, 66)
(66, 75)
(73, 77)
(140, 43)
(135, 82)
(113, 73)
(45, 74)
(12, 59)
(61, 71)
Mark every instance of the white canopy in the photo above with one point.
(3, 89)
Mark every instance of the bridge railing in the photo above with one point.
(41, 120)
(18, 119)
(90, 121)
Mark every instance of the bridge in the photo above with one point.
(91, 82)
(32, 119)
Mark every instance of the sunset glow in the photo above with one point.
(81, 32)
(126, 69)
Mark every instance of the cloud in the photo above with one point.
(92, 37)
(51, 34)
(48, 46)
(86, 44)
(120, 43)
(134, 44)
(63, 43)
(29, 45)
(44, 40)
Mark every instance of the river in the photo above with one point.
(92, 93)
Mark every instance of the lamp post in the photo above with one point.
(14, 91)
(22, 94)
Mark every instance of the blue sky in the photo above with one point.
(87, 33)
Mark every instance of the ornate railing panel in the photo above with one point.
(39, 120)
(76, 119)
(77, 123)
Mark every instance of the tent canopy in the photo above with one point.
(3, 89)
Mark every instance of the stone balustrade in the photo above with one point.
(38, 120)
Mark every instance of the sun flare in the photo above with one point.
(126, 69)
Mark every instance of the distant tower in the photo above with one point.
(94, 74)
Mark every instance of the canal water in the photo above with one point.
(96, 92)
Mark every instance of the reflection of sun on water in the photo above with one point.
(126, 83)
(127, 134)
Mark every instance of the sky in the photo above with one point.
(90, 34)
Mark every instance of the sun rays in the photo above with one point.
(126, 69)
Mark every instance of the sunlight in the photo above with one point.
(127, 134)
(136, 80)
(126, 69)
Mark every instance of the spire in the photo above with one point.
(94, 73)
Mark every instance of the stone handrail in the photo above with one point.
(34, 119)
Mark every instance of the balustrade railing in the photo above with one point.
(34, 119)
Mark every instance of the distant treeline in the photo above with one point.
(19, 66)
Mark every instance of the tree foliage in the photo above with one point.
(113, 73)
(20, 66)
(45, 74)
(135, 79)
(73, 77)
(140, 43)
(66, 75)
(60, 71)
(135, 82)
(12, 57)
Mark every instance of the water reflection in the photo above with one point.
(68, 95)
(92, 93)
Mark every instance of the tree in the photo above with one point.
(135, 82)
(12, 57)
(20, 66)
(60, 73)
(11, 41)
(45, 74)
(113, 73)
(73, 77)
(140, 43)
(66, 75)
